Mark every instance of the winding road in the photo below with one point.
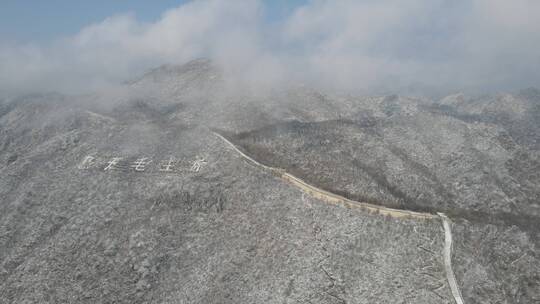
(448, 259)
(395, 213)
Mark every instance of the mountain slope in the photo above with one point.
(126, 196)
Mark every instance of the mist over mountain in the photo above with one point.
(362, 47)
(128, 194)
(253, 151)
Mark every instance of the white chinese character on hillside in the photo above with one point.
(197, 164)
(88, 162)
(139, 164)
(167, 165)
(112, 164)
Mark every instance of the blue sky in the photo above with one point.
(43, 20)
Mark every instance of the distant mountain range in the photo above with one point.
(213, 228)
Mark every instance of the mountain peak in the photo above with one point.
(196, 67)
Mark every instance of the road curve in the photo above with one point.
(448, 259)
(329, 196)
(396, 213)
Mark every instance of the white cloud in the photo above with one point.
(351, 45)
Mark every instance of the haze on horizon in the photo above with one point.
(357, 46)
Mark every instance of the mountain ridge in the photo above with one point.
(224, 232)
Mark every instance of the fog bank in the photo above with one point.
(357, 46)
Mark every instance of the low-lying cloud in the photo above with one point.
(361, 46)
